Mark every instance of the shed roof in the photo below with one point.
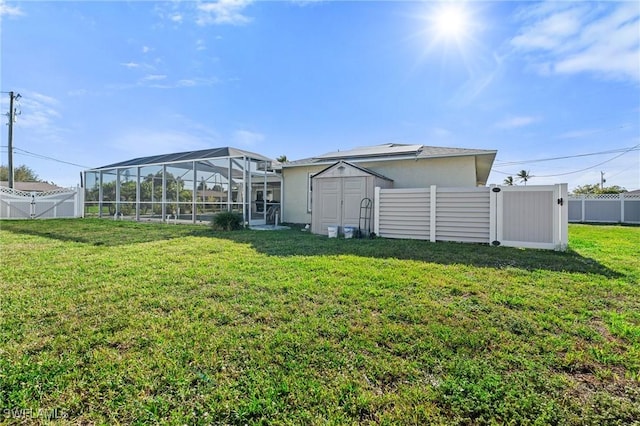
(177, 157)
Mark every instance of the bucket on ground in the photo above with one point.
(333, 231)
(348, 231)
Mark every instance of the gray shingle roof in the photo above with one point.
(389, 150)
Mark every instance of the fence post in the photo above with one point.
(82, 199)
(563, 217)
(622, 207)
(583, 202)
(493, 227)
(32, 206)
(432, 213)
(376, 211)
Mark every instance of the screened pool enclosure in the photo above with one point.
(188, 186)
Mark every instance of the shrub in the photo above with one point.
(227, 221)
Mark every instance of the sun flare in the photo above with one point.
(451, 21)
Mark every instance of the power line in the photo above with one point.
(45, 157)
(623, 170)
(612, 151)
(633, 148)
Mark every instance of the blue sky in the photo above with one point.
(107, 81)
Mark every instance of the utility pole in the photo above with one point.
(12, 117)
(602, 181)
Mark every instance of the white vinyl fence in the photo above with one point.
(605, 208)
(515, 216)
(61, 203)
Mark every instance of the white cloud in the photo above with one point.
(161, 81)
(38, 111)
(154, 77)
(185, 82)
(40, 120)
(176, 17)
(146, 49)
(550, 31)
(138, 65)
(516, 122)
(570, 38)
(223, 12)
(201, 45)
(247, 138)
(43, 99)
(6, 10)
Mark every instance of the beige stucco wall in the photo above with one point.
(294, 188)
(449, 171)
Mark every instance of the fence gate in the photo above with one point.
(62, 203)
(530, 216)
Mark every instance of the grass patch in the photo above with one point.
(121, 322)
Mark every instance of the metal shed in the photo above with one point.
(337, 194)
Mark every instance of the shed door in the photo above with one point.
(339, 201)
(353, 191)
(329, 205)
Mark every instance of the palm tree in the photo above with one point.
(524, 176)
(509, 181)
(282, 159)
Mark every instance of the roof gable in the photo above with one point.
(353, 169)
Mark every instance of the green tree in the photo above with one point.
(509, 181)
(282, 159)
(20, 174)
(524, 176)
(596, 189)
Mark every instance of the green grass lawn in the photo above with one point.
(114, 322)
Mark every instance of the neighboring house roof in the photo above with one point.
(394, 151)
(363, 169)
(187, 156)
(31, 186)
(634, 192)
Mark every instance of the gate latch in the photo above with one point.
(560, 201)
